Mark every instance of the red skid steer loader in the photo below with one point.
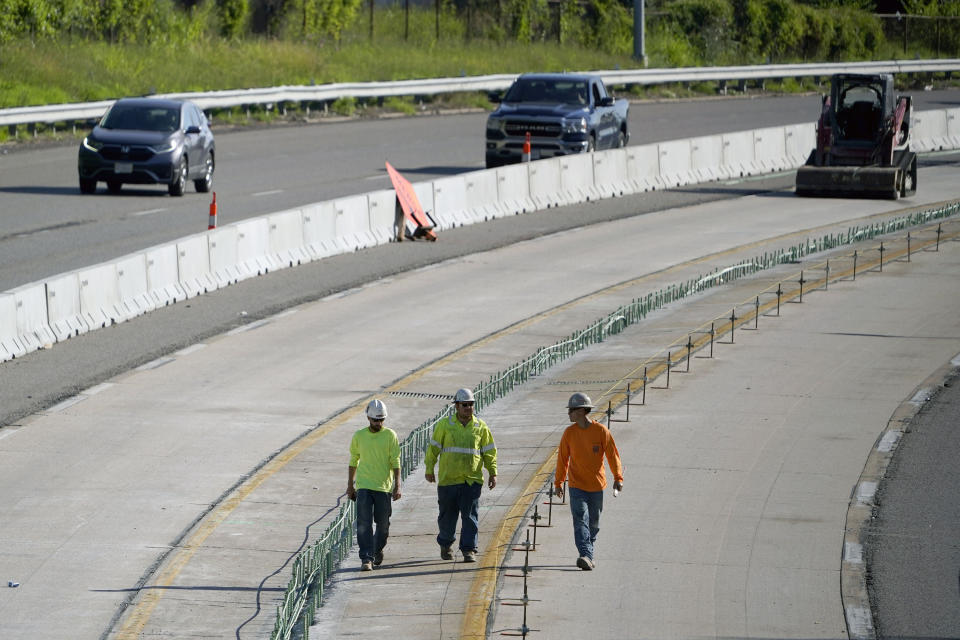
(863, 141)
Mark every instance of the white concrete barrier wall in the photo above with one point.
(481, 194)
(320, 230)
(163, 275)
(193, 266)
(513, 188)
(286, 238)
(929, 131)
(225, 266)
(577, 183)
(132, 284)
(63, 306)
(546, 190)
(253, 246)
(450, 203)
(352, 222)
(383, 214)
(706, 159)
(800, 141)
(11, 346)
(37, 315)
(100, 296)
(675, 159)
(643, 168)
(610, 175)
(32, 328)
(953, 128)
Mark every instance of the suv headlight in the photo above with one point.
(575, 126)
(92, 144)
(165, 147)
(494, 123)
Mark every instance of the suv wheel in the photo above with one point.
(204, 184)
(179, 183)
(87, 185)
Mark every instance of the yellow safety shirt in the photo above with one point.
(463, 451)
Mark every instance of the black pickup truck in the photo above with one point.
(563, 113)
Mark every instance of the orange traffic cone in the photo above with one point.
(526, 148)
(212, 224)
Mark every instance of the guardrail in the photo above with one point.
(54, 113)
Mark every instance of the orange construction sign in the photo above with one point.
(418, 223)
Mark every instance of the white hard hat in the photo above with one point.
(377, 410)
(463, 395)
(580, 401)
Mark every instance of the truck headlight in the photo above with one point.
(575, 126)
(92, 144)
(494, 124)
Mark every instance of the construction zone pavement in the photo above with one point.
(739, 476)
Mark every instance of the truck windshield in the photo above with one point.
(550, 91)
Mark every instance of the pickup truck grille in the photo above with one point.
(536, 129)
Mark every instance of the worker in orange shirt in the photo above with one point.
(582, 449)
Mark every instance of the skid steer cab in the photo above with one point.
(863, 141)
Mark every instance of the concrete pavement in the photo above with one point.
(738, 479)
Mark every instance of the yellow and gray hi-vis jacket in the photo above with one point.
(463, 450)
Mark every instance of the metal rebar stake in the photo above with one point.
(668, 369)
(881, 257)
(779, 294)
(801, 285)
(938, 235)
(826, 277)
(733, 318)
(756, 313)
(689, 351)
(908, 246)
(854, 264)
(713, 334)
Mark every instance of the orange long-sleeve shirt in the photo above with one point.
(582, 451)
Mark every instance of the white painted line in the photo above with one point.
(866, 491)
(147, 212)
(153, 364)
(92, 391)
(248, 327)
(190, 349)
(889, 441)
(342, 294)
(7, 432)
(921, 397)
(853, 552)
(267, 193)
(859, 622)
(284, 314)
(956, 361)
(69, 402)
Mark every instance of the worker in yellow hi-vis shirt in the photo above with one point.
(464, 446)
(375, 470)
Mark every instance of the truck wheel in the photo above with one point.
(621, 140)
(592, 143)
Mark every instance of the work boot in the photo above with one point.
(585, 563)
(378, 558)
(469, 556)
(446, 553)
(366, 566)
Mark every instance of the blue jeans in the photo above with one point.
(458, 501)
(372, 506)
(585, 506)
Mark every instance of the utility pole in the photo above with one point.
(639, 51)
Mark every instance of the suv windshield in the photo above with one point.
(142, 118)
(546, 90)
